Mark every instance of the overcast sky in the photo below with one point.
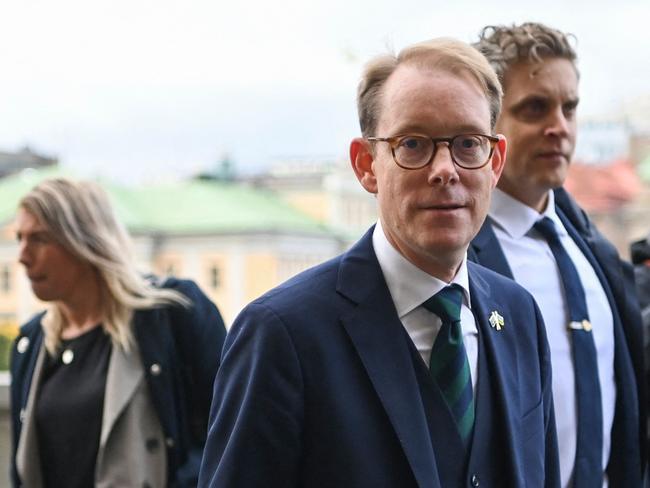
(140, 89)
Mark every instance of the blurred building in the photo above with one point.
(327, 191)
(236, 241)
(13, 162)
(610, 173)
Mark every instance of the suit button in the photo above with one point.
(152, 444)
(21, 415)
(170, 442)
(22, 345)
(155, 369)
(475, 481)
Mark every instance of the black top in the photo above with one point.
(69, 410)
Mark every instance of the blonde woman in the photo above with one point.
(111, 386)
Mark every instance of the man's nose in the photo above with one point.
(558, 124)
(442, 169)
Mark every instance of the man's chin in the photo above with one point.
(554, 179)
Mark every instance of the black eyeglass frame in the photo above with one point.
(394, 142)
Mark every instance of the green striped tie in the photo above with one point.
(449, 365)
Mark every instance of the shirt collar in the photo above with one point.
(408, 285)
(517, 218)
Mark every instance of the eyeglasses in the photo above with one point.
(469, 151)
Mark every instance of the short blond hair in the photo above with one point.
(444, 54)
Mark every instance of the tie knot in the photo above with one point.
(446, 304)
(546, 227)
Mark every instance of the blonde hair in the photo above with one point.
(442, 53)
(81, 219)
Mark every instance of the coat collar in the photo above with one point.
(572, 212)
(487, 251)
(379, 339)
(124, 375)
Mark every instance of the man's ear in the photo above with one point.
(498, 159)
(362, 159)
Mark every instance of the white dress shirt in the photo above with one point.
(534, 267)
(410, 287)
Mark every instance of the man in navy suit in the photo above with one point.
(397, 363)
(597, 358)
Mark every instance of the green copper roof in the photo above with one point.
(183, 207)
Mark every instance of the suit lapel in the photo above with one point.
(501, 355)
(380, 340)
(124, 375)
(487, 251)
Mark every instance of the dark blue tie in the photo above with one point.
(448, 364)
(588, 468)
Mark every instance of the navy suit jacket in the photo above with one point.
(617, 278)
(317, 386)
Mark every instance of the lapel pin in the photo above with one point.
(496, 320)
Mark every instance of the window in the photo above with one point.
(215, 277)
